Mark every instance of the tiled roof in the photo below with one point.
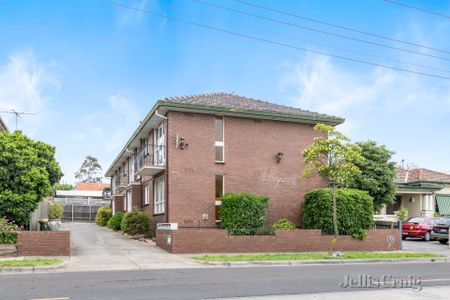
(91, 186)
(417, 174)
(236, 102)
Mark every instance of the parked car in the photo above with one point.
(440, 230)
(418, 227)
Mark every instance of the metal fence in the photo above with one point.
(81, 209)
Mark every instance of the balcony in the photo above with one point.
(150, 160)
(121, 183)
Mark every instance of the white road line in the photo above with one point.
(64, 298)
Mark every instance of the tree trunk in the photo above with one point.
(336, 232)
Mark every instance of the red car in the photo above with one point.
(418, 227)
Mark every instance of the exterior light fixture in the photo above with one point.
(279, 156)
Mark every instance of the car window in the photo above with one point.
(417, 220)
(431, 222)
(444, 221)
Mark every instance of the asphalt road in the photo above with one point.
(209, 282)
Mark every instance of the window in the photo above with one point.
(219, 144)
(129, 202)
(159, 196)
(124, 203)
(159, 141)
(146, 194)
(219, 186)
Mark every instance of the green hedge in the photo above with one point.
(115, 222)
(103, 215)
(243, 211)
(136, 222)
(354, 211)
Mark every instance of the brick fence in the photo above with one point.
(43, 243)
(205, 240)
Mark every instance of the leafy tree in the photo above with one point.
(377, 174)
(28, 170)
(63, 187)
(331, 156)
(90, 170)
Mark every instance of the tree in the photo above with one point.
(331, 156)
(28, 170)
(63, 187)
(90, 170)
(377, 174)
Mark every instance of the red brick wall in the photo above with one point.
(118, 202)
(43, 243)
(210, 240)
(250, 166)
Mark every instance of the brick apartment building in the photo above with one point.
(190, 150)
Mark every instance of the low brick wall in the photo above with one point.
(205, 240)
(8, 250)
(43, 243)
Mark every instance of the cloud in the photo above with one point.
(22, 89)
(407, 112)
(129, 17)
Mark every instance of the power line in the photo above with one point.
(338, 26)
(318, 30)
(418, 8)
(251, 37)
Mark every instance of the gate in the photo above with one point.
(81, 209)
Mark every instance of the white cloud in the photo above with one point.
(22, 89)
(405, 111)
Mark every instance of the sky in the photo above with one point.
(91, 70)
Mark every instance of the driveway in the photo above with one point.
(96, 248)
(418, 245)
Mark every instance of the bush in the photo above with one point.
(55, 210)
(243, 211)
(115, 222)
(402, 214)
(283, 224)
(8, 232)
(135, 222)
(359, 234)
(354, 211)
(103, 215)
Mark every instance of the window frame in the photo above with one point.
(159, 201)
(219, 143)
(146, 194)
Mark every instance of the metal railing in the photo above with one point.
(150, 156)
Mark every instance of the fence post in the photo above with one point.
(90, 212)
(72, 210)
(401, 233)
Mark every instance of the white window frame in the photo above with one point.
(129, 201)
(159, 157)
(146, 194)
(113, 206)
(220, 143)
(159, 200)
(125, 202)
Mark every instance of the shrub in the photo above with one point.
(135, 222)
(8, 232)
(115, 222)
(103, 215)
(354, 210)
(55, 210)
(283, 224)
(243, 211)
(402, 214)
(359, 234)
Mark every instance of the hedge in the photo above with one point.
(354, 211)
(243, 211)
(115, 222)
(136, 222)
(103, 215)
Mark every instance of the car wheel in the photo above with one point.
(427, 237)
(443, 241)
(403, 237)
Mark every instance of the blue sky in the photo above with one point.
(92, 70)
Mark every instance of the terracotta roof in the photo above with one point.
(233, 101)
(90, 186)
(418, 174)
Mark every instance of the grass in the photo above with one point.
(314, 256)
(30, 262)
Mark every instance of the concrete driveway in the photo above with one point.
(96, 248)
(418, 245)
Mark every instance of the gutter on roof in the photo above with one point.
(235, 112)
(429, 181)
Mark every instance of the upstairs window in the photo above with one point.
(219, 144)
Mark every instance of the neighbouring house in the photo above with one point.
(422, 191)
(3, 125)
(190, 150)
(91, 186)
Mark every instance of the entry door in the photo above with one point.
(159, 152)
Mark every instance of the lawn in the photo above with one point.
(30, 262)
(314, 256)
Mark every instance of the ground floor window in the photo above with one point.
(159, 199)
(129, 201)
(146, 194)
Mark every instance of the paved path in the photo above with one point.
(313, 282)
(96, 248)
(417, 245)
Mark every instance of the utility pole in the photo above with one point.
(17, 114)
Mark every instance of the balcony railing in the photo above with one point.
(121, 182)
(150, 160)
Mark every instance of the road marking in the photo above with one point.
(64, 298)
